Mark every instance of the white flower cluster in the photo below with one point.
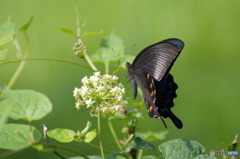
(102, 93)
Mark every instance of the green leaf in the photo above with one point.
(90, 34)
(139, 143)
(25, 104)
(149, 157)
(84, 131)
(181, 149)
(66, 30)
(62, 135)
(107, 156)
(153, 136)
(25, 26)
(17, 136)
(90, 136)
(6, 33)
(3, 54)
(111, 49)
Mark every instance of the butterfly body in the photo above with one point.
(150, 71)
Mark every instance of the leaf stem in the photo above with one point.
(43, 58)
(114, 134)
(99, 134)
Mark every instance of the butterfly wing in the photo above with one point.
(158, 58)
(165, 94)
(146, 83)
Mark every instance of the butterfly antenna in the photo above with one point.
(119, 55)
(165, 125)
(134, 45)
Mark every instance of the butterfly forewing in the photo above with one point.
(157, 59)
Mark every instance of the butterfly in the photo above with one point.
(150, 70)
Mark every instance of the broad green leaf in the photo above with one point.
(66, 30)
(25, 26)
(25, 104)
(149, 157)
(107, 156)
(181, 149)
(90, 136)
(3, 54)
(84, 131)
(3, 115)
(62, 135)
(139, 143)
(6, 33)
(111, 49)
(17, 136)
(153, 136)
(204, 156)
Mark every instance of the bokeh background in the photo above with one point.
(207, 71)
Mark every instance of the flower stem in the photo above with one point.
(89, 62)
(107, 67)
(99, 134)
(80, 41)
(139, 155)
(114, 134)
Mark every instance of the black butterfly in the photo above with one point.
(150, 70)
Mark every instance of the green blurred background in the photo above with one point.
(207, 71)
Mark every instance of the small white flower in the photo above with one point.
(78, 104)
(115, 89)
(94, 78)
(75, 92)
(114, 77)
(96, 73)
(107, 76)
(84, 80)
(117, 107)
(99, 88)
(89, 102)
(83, 90)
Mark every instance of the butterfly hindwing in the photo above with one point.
(165, 94)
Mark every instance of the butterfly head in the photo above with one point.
(128, 65)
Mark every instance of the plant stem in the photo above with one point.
(139, 155)
(22, 64)
(64, 148)
(97, 147)
(40, 58)
(80, 41)
(89, 62)
(99, 134)
(107, 67)
(114, 134)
